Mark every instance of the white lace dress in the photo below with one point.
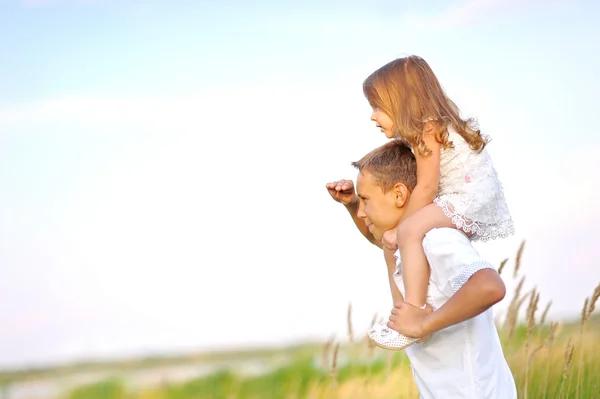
(470, 193)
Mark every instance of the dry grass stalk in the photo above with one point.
(370, 347)
(334, 365)
(518, 259)
(588, 307)
(349, 322)
(368, 343)
(390, 362)
(545, 313)
(528, 361)
(502, 264)
(534, 352)
(374, 319)
(549, 343)
(517, 301)
(584, 317)
(512, 311)
(584, 311)
(516, 314)
(513, 316)
(325, 353)
(595, 296)
(566, 365)
(552, 335)
(531, 309)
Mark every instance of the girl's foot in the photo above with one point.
(386, 338)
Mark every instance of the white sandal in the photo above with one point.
(386, 338)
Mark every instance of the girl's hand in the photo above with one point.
(390, 239)
(342, 191)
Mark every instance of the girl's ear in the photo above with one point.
(401, 194)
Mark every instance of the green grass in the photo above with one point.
(376, 373)
(566, 366)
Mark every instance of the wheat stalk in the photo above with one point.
(566, 365)
(369, 344)
(518, 259)
(595, 296)
(549, 343)
(545, 313)
(584, 311)
(325, 352)
(390, 360)
(531, 309)
(334, 364)
(349, 322)
(589, 306)
(552, 335)
(511, 314)
(502, 264)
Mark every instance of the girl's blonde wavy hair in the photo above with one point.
(408, 91)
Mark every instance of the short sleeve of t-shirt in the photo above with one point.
(452, 258)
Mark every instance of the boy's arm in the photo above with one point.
(343, 192)
(481, 291)
(484, 289)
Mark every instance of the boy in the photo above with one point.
(464, 358)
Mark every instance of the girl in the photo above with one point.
(457, 185)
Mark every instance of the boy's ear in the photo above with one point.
(401, 193)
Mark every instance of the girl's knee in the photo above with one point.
(409, 231)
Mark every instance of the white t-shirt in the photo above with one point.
(464, 360)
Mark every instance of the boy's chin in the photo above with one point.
(377, 235)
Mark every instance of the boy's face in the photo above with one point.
(380, 211)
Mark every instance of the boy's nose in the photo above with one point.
(360, 212)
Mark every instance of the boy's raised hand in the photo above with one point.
(342, 191)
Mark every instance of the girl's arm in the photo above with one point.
(390, 261)
(428, 176)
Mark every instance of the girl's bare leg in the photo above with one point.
(415, 268)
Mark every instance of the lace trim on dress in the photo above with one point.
(481, 231)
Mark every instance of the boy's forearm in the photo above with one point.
(360, 224)
(484, 289)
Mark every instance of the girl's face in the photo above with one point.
(384, 122)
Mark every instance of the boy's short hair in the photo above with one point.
(390, 164)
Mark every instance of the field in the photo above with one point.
(548, 360)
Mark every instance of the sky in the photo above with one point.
(163, 164)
